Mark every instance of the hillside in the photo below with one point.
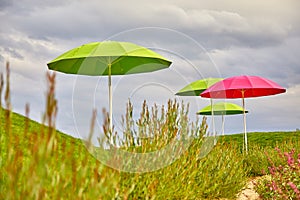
(38, 164)
(18, 126)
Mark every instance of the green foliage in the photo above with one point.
(258, 161)
(219, 174)
(262, 143)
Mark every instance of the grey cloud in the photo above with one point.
(4, 4)
(39, 37)
(27, 6)
(101, 20)
(13, 53)
(285, 115)
(280, 63)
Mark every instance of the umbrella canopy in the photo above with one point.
(109, 58)
(97, 58)
(197, 87)
(222, 108)
(243, 87)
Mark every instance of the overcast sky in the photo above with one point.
(214, 38)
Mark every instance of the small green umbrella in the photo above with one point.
(222, 108)
(196, 88)
(109, 58)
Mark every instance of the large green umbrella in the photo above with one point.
(222, 108)
(196, 88)
(109, 58)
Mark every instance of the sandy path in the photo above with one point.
(248, 193)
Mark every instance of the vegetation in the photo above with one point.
(284, 181)
(38, 162)
(257, 159)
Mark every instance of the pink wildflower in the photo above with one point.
(290, 158)
(294, 187)
(279, 152)
(272, 170)
(274, 186)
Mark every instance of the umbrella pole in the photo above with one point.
(245, 129)
(213, 121)
(223, 124)
(110, 97)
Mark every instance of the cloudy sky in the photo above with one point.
(214, 38)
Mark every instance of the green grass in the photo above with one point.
(264, 139)
(18, 122)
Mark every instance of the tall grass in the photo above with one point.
(44, 165)
(37, 162)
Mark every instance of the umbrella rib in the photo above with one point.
(120, 45)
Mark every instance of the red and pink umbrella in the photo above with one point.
(243, 87)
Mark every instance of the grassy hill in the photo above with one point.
(264, 139)
(39, 164)
(35, 161)
(19, 123)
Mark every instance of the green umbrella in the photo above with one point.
(197, 87)
(222, 108)
(108, 58)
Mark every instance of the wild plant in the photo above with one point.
(283, 181)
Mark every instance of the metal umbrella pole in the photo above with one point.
(110, 97)
(213, 121)
(223, 125)
(245, 128)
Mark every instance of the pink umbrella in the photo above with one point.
(243, 87)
